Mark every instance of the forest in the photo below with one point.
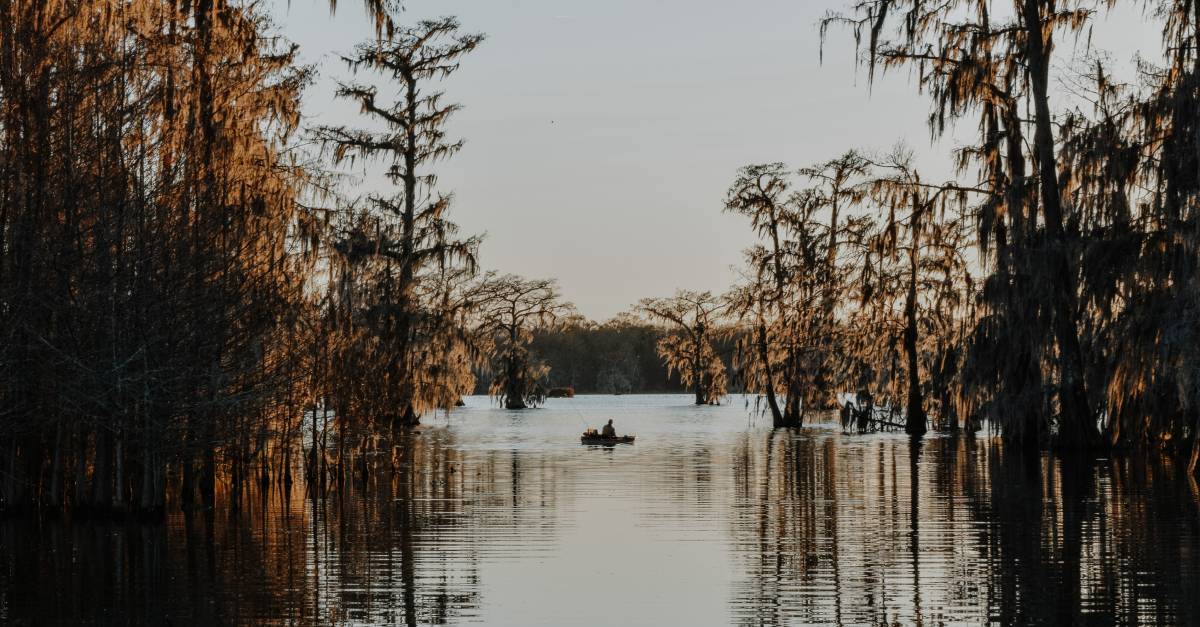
(193, 297)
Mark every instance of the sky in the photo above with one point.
(602, 135)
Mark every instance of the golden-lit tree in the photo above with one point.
(688, 350)
(796, 280)
(509, 309)
(399, 256)
(761, 193)
(970, 63)
(152, 250)
(915, 286)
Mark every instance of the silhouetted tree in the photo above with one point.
(1000, 71)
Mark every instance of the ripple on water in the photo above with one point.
(502, 518)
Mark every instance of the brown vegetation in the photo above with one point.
(693, 318)
(510, 309)
(178, 304)
(179, 310)
(1080, 330)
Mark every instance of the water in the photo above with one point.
(502, 518)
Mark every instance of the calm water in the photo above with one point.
(502, 518)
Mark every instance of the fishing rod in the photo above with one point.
(579, 415)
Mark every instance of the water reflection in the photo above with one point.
(502, 519)
(883, 531)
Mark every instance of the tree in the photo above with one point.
(510, 309)
(915, 258)
(397, 253)
(1000, 71)
(152, 249)
(759, 193)
(689, 351)
(835, 189)
(1129, 165)
(796, 279)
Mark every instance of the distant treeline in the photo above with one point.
(619, 356)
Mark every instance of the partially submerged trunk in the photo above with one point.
(915, 407)
(1077, 429)
(101, 472)
(793, 416)
(514, 385)
(56, 472)
(793, 408)
(764, 355)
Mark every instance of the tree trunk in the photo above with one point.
(208, 474)
(7, 479)
(698, 381)
(119, 481)
(187, 484)
(101, 471)
(79, 460)
(514, 392)
(56, 471)
(146, 499)
(792, 408)
(1194, 460)
(764, 355)
(792, 417)
(915, 410)
(1077, 429)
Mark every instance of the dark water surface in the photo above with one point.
(502, 518)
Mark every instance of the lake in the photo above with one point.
(711, 518)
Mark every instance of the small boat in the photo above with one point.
(599, 440)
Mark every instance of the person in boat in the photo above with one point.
(609, 430)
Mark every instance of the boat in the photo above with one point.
(599, 440)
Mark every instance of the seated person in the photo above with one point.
(609, 431)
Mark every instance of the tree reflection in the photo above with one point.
(371, 552)
(821, 527)
(848, 530)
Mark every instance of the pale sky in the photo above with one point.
(601, 135)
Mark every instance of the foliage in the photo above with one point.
(400, 268)
(796, 280)
(616, 356)
(1083, 332)
(152, 248)
(688, 350)
(509, 310)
